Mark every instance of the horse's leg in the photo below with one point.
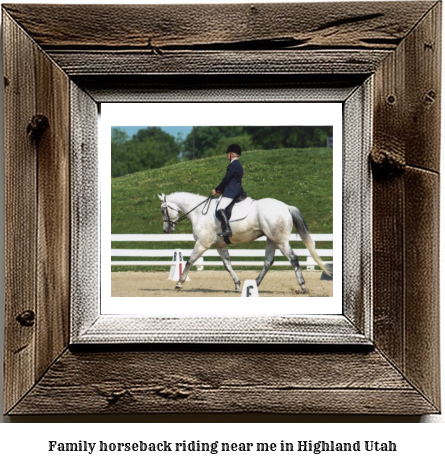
(287, 251)
(198, 250)
(224, 254)
(270, 254)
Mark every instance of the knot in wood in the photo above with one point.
(387, 162)
(37, 126)
(26, 318)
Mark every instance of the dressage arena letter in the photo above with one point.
(250, 288)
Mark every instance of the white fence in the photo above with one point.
(234, 253)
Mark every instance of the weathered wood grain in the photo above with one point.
(422, 324)
(388, 155)
(389, 161)
(79, 63)
(20, 213)
(37, 219)
(407, 133)
(421, 210)
(158, 27)
(108, 329)
(53, 230)
(219, 381)
(423, 92)
(85, 212)
(407, 113)
(209, 39)
(357, 208)
(388, 270)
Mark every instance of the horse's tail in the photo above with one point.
(303, 231)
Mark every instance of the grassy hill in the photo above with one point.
(299, 177)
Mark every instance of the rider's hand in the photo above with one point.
(214, 192)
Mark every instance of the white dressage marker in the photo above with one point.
(177, 268)
(250, 288)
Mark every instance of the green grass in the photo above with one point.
(299, 177)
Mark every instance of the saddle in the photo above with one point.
(239, 207)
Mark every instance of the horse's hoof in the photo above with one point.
(304, 290)
(178, 287)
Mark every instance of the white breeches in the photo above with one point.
(224, 203)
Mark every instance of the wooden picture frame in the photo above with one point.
(75, 57)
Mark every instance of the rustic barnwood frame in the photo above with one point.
(84, 55)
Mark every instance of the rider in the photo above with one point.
(230, 187)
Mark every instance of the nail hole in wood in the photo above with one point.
(430, 97)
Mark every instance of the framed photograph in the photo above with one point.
(298, 164)
(367, 342)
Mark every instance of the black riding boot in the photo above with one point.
(225, 227)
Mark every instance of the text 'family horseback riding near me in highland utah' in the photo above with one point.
(215, 447)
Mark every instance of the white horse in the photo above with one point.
(266, 217)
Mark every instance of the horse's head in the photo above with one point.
(170, 213)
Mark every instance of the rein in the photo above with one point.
(183, 217)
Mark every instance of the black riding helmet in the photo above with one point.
(234, 148)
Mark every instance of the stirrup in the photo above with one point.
(225, 233)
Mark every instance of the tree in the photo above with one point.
(150, 147)
(214, 140)
(277, 137)
(119, 140)
(208, 140)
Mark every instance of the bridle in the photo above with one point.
(164, 209)
(165, 206)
